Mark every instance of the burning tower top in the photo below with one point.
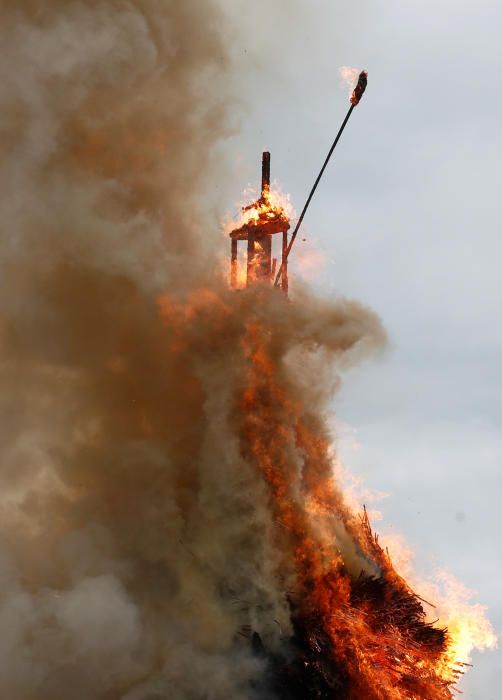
(263, 218)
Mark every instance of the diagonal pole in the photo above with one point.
(356, 96)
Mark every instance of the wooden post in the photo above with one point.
(265, 172)
(233, 264)
(263, 249)
(251, 265)
(284, 263)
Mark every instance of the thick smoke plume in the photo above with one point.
(139, 541)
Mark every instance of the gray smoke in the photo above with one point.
(136, 539)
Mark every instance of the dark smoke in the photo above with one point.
(136, 539)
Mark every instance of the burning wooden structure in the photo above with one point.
(371, 642)
(358, 631)
(262, 220)
(356, 628)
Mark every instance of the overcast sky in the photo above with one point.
(407, 220)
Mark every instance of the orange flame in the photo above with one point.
(383, 644)
(349, 77)
(274, 204)
(360, 614)
(468, 627)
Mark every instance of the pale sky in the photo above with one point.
(407, 220)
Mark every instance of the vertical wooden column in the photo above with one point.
(265, 172)
(265, 252)
(284, 278)
(251, 263)
(263, 246)
(233, 263)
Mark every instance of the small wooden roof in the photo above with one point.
(261, 227)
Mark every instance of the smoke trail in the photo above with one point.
(138, 539)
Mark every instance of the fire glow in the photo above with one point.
(349, 77)
(273, 205)
(359, 629)
(362, 627)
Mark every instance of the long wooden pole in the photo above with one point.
(309, 198)
(354, 100)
